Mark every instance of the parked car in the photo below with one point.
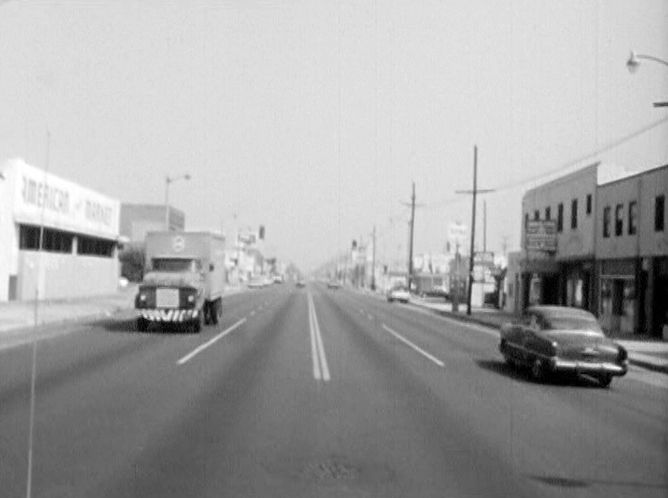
(550, 339)
(398, 293)
(333, 284)
(439, 292)
(301, 283)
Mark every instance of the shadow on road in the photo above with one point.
(522, 374)
(129, 325)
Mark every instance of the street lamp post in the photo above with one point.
(634, 62)
(169, 180)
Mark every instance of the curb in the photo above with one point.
(485, 323)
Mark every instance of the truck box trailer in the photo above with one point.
(184, 279)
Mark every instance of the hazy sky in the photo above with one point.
(313, 117)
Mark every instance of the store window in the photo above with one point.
(536, 215)
(93, 246)
(589, 204)
(560, 217)
(619, 219)
(606, 222)
(548, 213)
(52, 240)
(659, 212)
(633, 216)
(574, 214)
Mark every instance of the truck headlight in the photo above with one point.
(191, 298)
(142, 297)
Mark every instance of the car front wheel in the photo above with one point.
(605, 380)
(537, 370)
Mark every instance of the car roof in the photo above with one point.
(550, 310)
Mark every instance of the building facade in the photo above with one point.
(78, 230)
(564, 275)
(139, 219)
(632, 253)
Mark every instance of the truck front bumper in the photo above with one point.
(169, 315)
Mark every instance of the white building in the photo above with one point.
(79, 238)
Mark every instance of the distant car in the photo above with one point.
(439, 292)
(333, 284)
(278, 279)
(398, 293)
(300, 283)
(257, 283)
(551, 339)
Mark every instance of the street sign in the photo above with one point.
(541, 235)
(457, 233)
(483, 259)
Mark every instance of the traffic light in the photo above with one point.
(354, 244)
(260, 234)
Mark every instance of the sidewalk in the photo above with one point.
(648, 353)
(18, 315)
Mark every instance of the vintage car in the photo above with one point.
(398, 293)
(551, 339)
(333, 284)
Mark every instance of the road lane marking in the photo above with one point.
(202, 347)
(320, 367)
(414, 346)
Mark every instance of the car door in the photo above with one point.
(514, 339)
(526, 331)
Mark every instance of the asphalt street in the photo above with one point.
(317, 393)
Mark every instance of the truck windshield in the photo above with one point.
(176, 265)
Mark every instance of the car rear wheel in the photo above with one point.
(142, 324)
(216, 311)
(197, 324)
(605, 380)
(537, 370)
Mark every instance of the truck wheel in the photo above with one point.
(142, 324)
(198, 322)
(216, 311)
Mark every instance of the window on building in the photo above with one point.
(548, 213)
(589, 204)
(659, 213)
(526, 220)
(93, 246)
(574, 214)
(52, 240)
(560, 217)
(606, 222)
(536, 215)
(619, 219)
(633, 216)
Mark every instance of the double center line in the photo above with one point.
(320, 368)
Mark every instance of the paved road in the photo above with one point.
(310, 392)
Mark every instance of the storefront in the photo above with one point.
(539, 282)
(619, 300)
(78, 230)
(577, 284)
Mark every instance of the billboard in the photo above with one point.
(541, 236)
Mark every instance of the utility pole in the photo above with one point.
(373, 261)
(410, 246)
(484, 226)
(475, 193)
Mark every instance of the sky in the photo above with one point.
(314, 117)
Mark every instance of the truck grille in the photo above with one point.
(166, 297)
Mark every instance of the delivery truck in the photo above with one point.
(184, 278)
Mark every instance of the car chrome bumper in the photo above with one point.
(169, 315)
(587, 367)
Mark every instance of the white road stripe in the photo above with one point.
(202, 347)
(414, 346)
(320, 367)
(314, 350)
